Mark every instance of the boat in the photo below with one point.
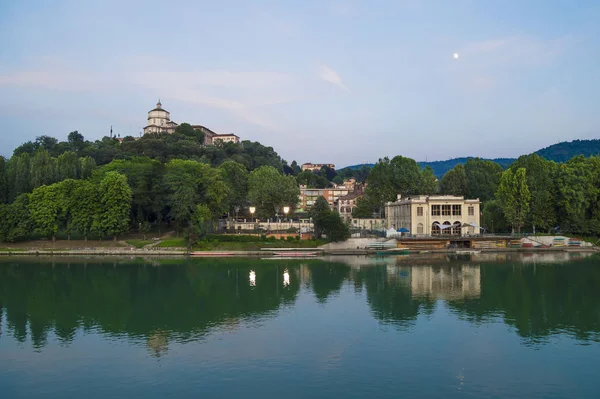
(394, 251)
(468, 252)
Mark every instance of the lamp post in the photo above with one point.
(286, 209)
(252, 210)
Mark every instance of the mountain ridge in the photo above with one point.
(560, 152)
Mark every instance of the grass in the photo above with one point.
(173, 243)
(12, 250)
(138, 243)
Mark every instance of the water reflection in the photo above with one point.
(183, 300)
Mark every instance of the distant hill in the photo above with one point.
(566, 150)
(560, 152)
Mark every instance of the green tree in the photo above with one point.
(4, 194)
(364, 208)
(514, 197)
(483, 177)
(236, 177)
(334, 227)
(186, 129)
(76, 141)
(85, 209)
(319, 213)
(269, 190)
(67, 165)
(541, 182)
(44, 208)
(428, 181)
(17, 223)
(42, 168)
(388, 178)
(87, 167)
(22, 180)
(339, 180)
(493, 218)
(455, 182)
(115, 204)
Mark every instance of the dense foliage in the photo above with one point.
(109, 187)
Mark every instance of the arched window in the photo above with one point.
(456, 228)
(447, 230)
(435, 229)
(420, 228)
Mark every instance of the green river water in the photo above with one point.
(525, 326)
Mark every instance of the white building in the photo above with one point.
(159, 121)
(424, 215)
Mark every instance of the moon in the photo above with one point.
(455, 55)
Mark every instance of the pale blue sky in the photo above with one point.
(320, 81)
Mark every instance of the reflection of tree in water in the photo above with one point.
(539, 300)
(327, 278)
(138, 300)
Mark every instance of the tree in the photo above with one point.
(428, 181)
(541, 182)
(67, 165)
(76, 141)
(87, 167)
(115, 204)
(339, 180)
(514, 197)
(454, 181)
(319, 213)
(269, 190)
(493, 217)
(364, 208)
(235, 176)
(42, 169)
(187, 130)
(4, 194)
(388, 178)
(44, 208)
(85, 208)
(483, 177)
(17, 223)
(22, 181)
(328, 222)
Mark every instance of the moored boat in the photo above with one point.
(394, 251)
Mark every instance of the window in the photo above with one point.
(419, 211)
(435, 210)
(446, 210)
(471, 211)
(420, 228)
(456, 210)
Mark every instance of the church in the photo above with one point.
(159, 120)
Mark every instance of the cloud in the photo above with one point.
(331, 76)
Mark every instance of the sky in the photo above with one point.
(322, 81)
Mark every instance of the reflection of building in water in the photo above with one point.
(454, 282)
(158, 343)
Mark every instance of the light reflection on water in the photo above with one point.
(341, 327)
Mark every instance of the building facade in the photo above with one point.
(434, 215)
(316, 166)
(308, 196)
(159, 121)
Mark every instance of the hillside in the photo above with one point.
(560, 152)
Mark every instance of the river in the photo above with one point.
(499, 325)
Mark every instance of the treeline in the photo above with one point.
(46, 186)
(533, 193)
(131, 194)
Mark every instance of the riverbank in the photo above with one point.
(266, 253)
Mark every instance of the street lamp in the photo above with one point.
(286, 209)
(252, 210)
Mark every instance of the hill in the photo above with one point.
(560, 152)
